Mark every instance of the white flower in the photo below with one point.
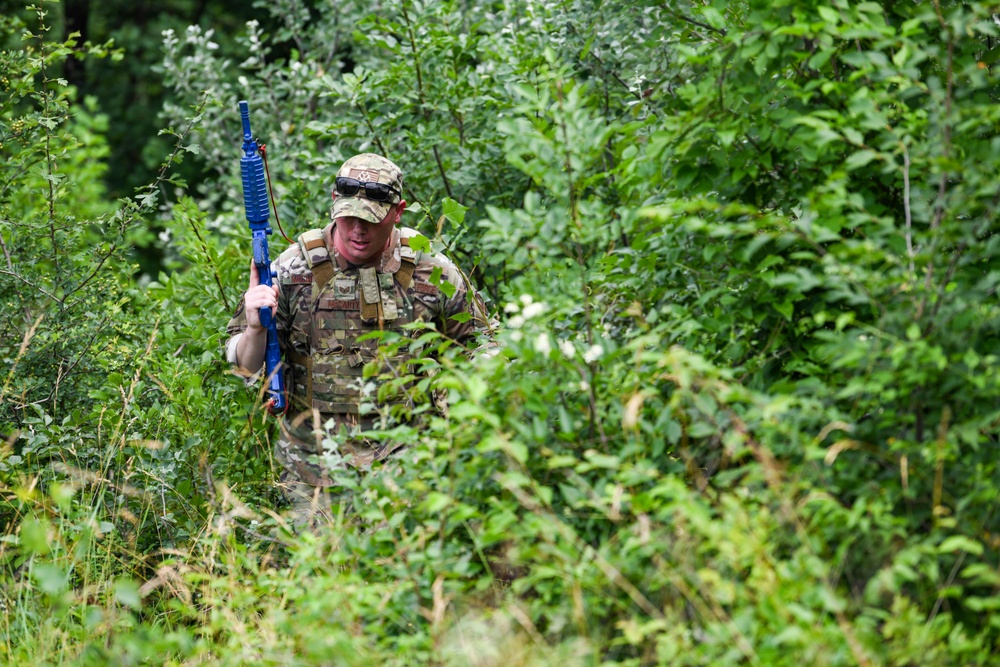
(567, 348)
(532, 309)
(516, 322)
(526, 299)
(211, 46)
(516, 336)
(244, 82)
(542, 344)
(593, 354)
(511, 308)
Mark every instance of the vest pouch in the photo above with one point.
(338, 384)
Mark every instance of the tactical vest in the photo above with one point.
(343, 305)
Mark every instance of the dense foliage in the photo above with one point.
(746, 405)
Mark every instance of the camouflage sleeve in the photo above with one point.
(465, 316)
(234, 330)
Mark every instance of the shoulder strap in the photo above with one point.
(317, 258)
(409, 258)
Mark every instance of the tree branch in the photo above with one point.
(688, 19)
(6, 254)
(83, 283)
(30, 284)
(906, 206)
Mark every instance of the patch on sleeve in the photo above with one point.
(425, 288)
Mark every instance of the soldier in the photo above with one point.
(355, 276)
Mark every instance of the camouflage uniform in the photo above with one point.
(325, 304)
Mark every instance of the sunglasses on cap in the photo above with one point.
(349, 187)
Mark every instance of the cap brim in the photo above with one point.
(359, 207)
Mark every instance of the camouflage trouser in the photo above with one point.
(310, 505)
(307, 485)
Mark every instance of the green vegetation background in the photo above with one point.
(744, 257)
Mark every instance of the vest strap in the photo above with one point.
(322, 273)
(405, 273)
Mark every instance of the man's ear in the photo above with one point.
(400, 207)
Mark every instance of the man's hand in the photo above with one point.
(252, 343)
(258, 296)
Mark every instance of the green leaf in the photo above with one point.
(62, 494)
(453, 210)
(50, 578)
(901, 56)
(435, 502)
(829, 14)
(420, 243)
(981, 604)
(701, 430)
(127, 593)
(961, 543)
(562, 461)
(831, 601)
(786, 308)
(981, 574)
(598, 460)
(713, 16)
(526, 91)
(860, 158)
(34, 536)
(517, 450)
(853, 136)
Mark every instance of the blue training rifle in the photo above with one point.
(255, 201)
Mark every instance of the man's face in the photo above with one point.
(360, 241)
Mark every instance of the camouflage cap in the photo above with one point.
(367, 168)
